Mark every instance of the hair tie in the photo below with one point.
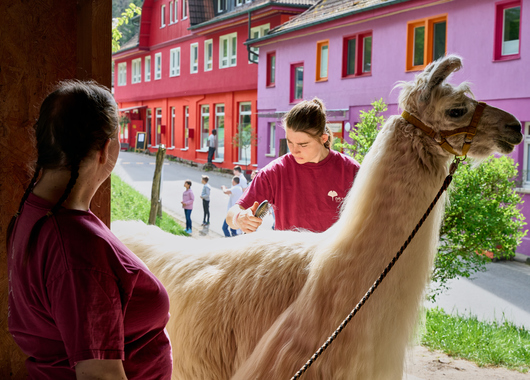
(49, 213)
(17, 214)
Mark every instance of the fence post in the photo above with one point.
(155, 190)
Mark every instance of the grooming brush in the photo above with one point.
(262, 210)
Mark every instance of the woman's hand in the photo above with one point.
(245, 219)
(100, 369)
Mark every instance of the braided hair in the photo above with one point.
(75, 120)
(309, 116)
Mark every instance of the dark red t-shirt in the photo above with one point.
(83, 295)
(306, 196)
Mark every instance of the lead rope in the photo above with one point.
(447, 182)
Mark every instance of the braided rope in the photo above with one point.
(377, 282)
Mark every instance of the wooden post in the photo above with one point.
(155, 190)
(42, 42)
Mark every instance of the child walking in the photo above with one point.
(205, 196)
(187, 204)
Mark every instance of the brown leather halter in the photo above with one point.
(470, 131)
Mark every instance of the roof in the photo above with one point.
(327, 10)
(200, 11)
(254, 5)
(132, 43)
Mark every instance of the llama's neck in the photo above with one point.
(396, 183)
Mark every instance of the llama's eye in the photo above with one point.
(456, 112)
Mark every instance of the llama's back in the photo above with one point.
(224, 293)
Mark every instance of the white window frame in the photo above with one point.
(158, 125)
(176, 12)
(526, 167)
(257, 32)
(136, 72)
(242, 113)
(122, 73)
(271, 146)
(205, 111)
(231, 58)
(184, 9)
(147, 65)
(171, 13)
(186, 126)
(239, 3)
(208, 58)
(172, 129)
(219, 8)
(220, 112)
(158, 66)
(194, 58)
(162, 16)
(174, 62)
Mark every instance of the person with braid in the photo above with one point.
(81, 305)
(306, 186)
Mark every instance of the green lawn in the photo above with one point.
(128, 204)
(486, 344)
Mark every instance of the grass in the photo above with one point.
(128, 204)
(485, 343)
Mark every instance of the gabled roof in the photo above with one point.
(254, 5)
(132, 43)
(200, 11)
(327, 10)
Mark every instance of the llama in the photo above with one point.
(258, 306)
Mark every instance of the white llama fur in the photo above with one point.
(258, 306)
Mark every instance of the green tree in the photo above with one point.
(483, 213)
(120, 22)
(365, 131)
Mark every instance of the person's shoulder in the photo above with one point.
(344, 159)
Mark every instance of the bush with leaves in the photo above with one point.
(483, 212)
(131, 11)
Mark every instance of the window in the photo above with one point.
(172, 129)
(194, 58)
(174, 62)
(205, 125)
(136, 70)
(221, 6)
(162, 16)
(507, 30)
(426, 41)
(245, 132)
(271, 140)
(122, 74)
(158, 66)
(257, 32)
(171, 13)
(271, 69)
(176, 12)
(239, 2)
(147, 76)
(208, 55)
(148, 125)
(184, 9)
(186, 126)
(297, 82)
(158, 113)
(357, 55)
(228, 50)
(322, 60)
(220, 126)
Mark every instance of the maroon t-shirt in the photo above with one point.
(83, 295)
(306, 196)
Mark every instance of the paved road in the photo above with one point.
(503, 291)
(138, 169)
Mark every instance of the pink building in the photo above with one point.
(350, 54)
(187, 71)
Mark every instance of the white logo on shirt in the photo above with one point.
(334, 196)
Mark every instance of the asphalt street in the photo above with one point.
(500, 293)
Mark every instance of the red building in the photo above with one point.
(187, 71)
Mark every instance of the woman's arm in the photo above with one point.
(100, 370)
(239, 218)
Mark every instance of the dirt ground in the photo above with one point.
(423, 364)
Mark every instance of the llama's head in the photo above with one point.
(444, 108)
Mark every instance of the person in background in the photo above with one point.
(187, 204)
(205, 196)
(77, 296)
(238, 172)
(235, 193)
(305, 186)
(212, 145)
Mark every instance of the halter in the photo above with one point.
(469, 131)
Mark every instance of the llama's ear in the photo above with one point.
(438, 72)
